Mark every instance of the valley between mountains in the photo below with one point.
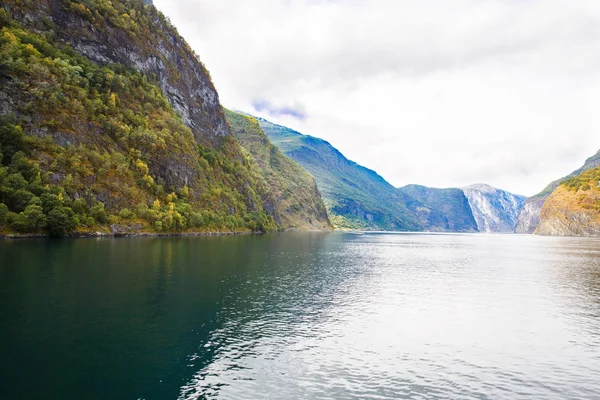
(110, 125)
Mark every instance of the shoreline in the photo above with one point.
(105, 235)
(109, 235)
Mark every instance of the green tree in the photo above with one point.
(3, 215)
(61, 221)
(35, 217)
(98, 212)
(49, 202)
(12, 139)
(79, 206)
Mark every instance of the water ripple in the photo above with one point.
(413, 316)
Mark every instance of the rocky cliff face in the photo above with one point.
(570, 213)
(143, 40)
(494, 210)
(529, 217)
(136, 36)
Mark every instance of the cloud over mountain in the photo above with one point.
(443, 93)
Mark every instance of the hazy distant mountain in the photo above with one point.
(495, 210)
(529, 217)
(356, 197)
(441, 209)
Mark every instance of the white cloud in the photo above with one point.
(437, 92)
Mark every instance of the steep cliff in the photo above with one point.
(573, 208)
(441, 209)
(494, 210)
(356, 197)
(529, 217)
(109, 119)
(297, 203)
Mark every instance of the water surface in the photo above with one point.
(299, 315)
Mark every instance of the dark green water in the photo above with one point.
(328, 316)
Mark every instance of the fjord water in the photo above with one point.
(301, 315)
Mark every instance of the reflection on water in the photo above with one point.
(301, 315)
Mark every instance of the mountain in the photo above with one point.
(296, 201)
(529, 217)
(109, 122)
(441, 209)
(356, 197)
(573, 207)
(494, 210)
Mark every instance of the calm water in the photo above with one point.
(311, 316)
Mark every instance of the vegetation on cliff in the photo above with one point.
(297, 203)
(585, 181)
(86, 145)
(573, 208)
(529, 218)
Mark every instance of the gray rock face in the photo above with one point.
(494, 210)
(529, 217)
(124, 230)
(162, 54)
(573, 224)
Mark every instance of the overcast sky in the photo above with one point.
(443, 93)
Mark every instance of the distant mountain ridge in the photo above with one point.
(441, 209)
(358, 198)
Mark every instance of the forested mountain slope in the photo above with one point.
(108, 119)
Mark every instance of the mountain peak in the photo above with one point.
(482, 187)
